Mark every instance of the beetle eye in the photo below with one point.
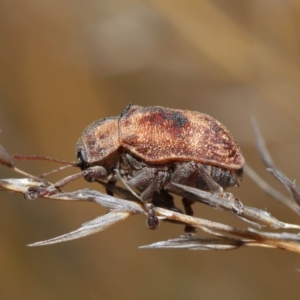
(81, 159)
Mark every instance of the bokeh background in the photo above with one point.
(65, 64)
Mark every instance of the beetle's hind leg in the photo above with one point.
(193, 174)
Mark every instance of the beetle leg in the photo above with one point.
(165, 200)
(153, 179)
(182, 175)
(211, 184)
(187, 204)
(156, 184)
(93, 173)
(133, 162)
(143, 177)
(110, 183)
(186, 170)
(119, 176)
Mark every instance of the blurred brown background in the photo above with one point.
(64, 64)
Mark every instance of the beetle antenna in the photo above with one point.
(55, 171)
(67, 164)
(46, 158)
(126, 185)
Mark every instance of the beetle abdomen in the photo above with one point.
(157, 135)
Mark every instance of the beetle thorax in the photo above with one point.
(100, 143)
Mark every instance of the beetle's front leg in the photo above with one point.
(91, 174)
(186, 170)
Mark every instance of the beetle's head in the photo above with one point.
(97, 143)
(81, 156)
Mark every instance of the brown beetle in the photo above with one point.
(150, 148)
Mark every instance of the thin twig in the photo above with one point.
(261, 145)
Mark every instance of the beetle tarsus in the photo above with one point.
(152, 220)
(34, 192)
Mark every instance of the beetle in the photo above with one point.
(150, 148)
